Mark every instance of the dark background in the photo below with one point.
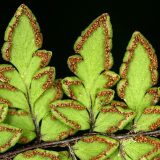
(61, 23)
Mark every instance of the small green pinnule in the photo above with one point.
(139, 73)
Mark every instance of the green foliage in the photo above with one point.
(32, 109)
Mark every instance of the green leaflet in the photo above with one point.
(53, 129)
(71, 113)
(73, 88)
(111, 119)
(149, 120)
(30, 86)
(41, 81)
(37, 154)
(10, 136)
(9, 94)
(95, 147)
(39, 59)
(9, 74)
(22, 38)
(139, 74)
(23, 120)
(41, 154)
(3, 112)
(41, 106)
(141, 147)
(64, 156)
(92, 64)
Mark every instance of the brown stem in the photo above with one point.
(64, 143)
(37, 129)
(71, 151)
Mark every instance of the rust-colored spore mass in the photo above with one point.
(17, 113)
(23, 140)
(69, 84)
(59, 92)
(144, 139)
(115, 110)
(154, 93)
(111, 80)
(49, 82)
(73, 61)
(38, 36)
(120, 104)
(72, 123)
(65, 134)
(152, 111)
(155, 125)
(100, 21)
(3, 69)
(121, 91)
(14, 131)
(68, 105)
(7, 86)
(107, 94)
(6, 102)
(45, 57)
(44, 154)
(94, 138)
(152, 56)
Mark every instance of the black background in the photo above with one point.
(61, 23)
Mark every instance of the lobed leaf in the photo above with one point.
(9, 94)
(37, 154)
(149, 120)
(141, 147)
(41, 81)
(22, 38)
(23, 120)
(52, 129)
(71, 113)
(39, 60)
(111, 119)
(10, 136)
(73, 88)
(103, 97)
(139, 74)
(8, 74)
(95, 147)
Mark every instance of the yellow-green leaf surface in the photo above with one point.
(22, 38)
(139, 74)
(39, 60)
(141, 147)
(103, 97)
(52, 129)
(41, 81)
(106, 79)
(41, 106)
(95, 147)
(71, 113)
(9, 74)
(94, 46)
(73, 88)
(111, 119)
(9, 136)
(64, 155)
(149, 120)
(22, 120)
(117, 156)
(94, 60)
(37, 154)
(3, 112)
(12, 96)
